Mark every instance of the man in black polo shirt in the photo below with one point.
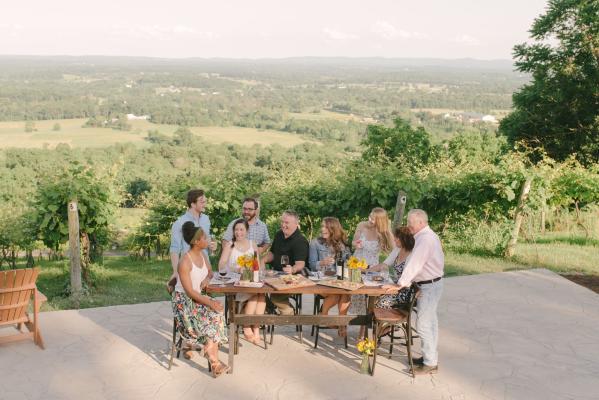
(289, 242)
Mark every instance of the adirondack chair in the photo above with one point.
(17, 287)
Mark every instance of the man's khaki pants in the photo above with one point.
(282, 303)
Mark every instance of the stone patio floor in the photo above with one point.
(513, 335)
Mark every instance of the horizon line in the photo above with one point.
(261, 58)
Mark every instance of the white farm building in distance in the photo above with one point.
(471, 117)
(133, 117)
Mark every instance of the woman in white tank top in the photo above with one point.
(198, 317)
(254, 304)
(372, 238)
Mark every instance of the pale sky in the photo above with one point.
(483, 29)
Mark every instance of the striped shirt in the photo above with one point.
(258, 233)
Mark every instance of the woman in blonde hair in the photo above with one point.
(372, 238)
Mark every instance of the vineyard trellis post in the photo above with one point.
(400, 208)
(74, 248)
(511, 246)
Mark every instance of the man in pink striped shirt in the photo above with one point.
(424, 267)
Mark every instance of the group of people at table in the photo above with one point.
(415, 255)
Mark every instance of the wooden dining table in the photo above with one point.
(235, 319)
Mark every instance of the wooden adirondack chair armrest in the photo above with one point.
(40, 297)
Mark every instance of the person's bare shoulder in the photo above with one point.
(361, 225)
(184, 263)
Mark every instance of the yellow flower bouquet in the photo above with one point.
(245, 263)
(367, 348)
(354, 263)
(356, 267)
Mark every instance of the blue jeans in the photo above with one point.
(427, 323)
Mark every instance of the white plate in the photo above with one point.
(319, 276)
(369, 282)
(249, 284)
(227, 279)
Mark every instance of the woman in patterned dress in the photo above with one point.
(199, 318)
(404, 242)
(372, 238)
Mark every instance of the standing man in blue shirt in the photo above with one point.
(196, 203)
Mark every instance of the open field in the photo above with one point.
(324, 115)
(12, 134)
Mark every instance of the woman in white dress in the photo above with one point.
(372, 238)
(241, 246)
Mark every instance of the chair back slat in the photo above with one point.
(6, 298)
(18, 282)
(3, 276)
(25, 295)
(15, 303)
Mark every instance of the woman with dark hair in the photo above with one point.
(404, 242)
(323, 250)
(242, 246)
(198, 317)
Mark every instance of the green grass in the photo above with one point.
(558, 257)
(12, 134)
(119, 281)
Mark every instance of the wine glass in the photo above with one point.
(385, 274)
(284, 261)
(212, 251)
(222, 273)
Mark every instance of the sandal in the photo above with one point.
(256, 340)
(385, 331)
(249, 337)
(218, 368)
(187, 351)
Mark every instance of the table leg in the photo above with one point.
(370, 309)
(232, 330)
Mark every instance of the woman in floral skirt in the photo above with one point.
(198, 317)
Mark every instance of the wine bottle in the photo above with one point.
(256, 268)
(339, 264)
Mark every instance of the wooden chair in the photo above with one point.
(401, 318)
(316, 328)
(177, 344)
(17, 287)
(296, 303)
(177, 340)
(239, 327)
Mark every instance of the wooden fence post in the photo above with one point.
(74, 248)
(543, 216)
(511, 246)
(400, 208)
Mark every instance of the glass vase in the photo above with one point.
(246, 274)
(355, 275)
(365, 365)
